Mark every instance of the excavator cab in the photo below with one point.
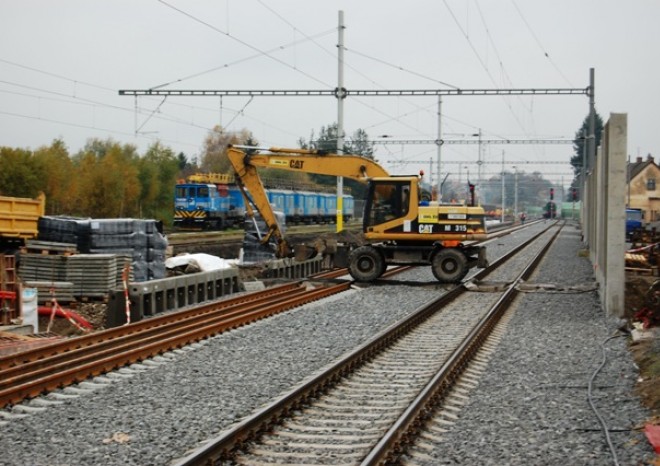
(389, 203)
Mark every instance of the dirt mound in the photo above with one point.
(645, 352)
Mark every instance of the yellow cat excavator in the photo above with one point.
(399, 226)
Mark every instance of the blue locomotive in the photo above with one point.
(217, 206)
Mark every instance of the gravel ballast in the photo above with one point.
(532, 406)
(154, 413)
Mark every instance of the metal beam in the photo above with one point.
(348, 92)
(509, 162)
(472, 141)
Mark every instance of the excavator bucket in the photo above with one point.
(302, 252)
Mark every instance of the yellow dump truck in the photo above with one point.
(19, 219)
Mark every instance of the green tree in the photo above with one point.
(157, 173)
(20, 175)
(579, 143)
(358, 144)
(533, 190)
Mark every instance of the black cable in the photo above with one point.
(593, 407)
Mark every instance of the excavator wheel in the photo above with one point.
(449, 265)
(365, 264)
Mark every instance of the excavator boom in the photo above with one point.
(245, 161)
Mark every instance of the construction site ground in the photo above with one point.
(646, 352)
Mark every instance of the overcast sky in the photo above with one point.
(63, 62)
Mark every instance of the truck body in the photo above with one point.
(399, 226)
(19, 218)
(634, 220)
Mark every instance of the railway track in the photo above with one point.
(40, 370)
(369, 406)
(66, 362)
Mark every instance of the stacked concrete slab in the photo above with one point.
(93, 275)
(41, 267)
(47, 290)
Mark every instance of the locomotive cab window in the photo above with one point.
(386, 201)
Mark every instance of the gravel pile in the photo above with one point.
(155, 412)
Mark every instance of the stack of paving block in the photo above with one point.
(62, 229)
(140, 240)
(46, 273)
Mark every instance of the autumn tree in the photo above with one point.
(214, 155)
(110, 186)
(58, 180)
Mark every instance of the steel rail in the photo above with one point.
(223, 446)
(408, 424)
(136, 327)
(72, 367)
(13, 375)
(65, 363)
(71, 344)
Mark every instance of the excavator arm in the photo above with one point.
(245, 161)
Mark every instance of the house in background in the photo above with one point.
(643, 190)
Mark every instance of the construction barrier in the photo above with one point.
(292, 269)
(167, 294)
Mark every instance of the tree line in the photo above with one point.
(108, 179)
(105, 179)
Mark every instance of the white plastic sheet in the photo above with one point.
(204, 262)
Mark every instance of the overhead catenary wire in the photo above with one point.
(260, 52)
(483, 65)
(242, 42)
(95, 128)
(79, 100)
(538, 42)
(242, 60)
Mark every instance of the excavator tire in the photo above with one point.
(449, 265)
(365, 264)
